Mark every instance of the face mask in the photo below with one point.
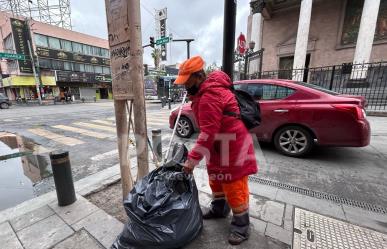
(193, 90)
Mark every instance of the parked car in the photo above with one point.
(296, 116)
(4, 102)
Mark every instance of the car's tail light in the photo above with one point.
(356, 111)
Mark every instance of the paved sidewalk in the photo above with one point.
(40, 223)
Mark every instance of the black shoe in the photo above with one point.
(239, 230)
(236, 239)
(218, 209)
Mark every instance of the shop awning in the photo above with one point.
(28, 81)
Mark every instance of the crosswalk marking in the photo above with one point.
(81, 131)
(105, 155)
(104, 122)
(56, 137)
(95, 126)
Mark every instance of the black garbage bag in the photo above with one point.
(163, 208)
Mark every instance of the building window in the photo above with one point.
(8, 44)
(57, 65)
(105, 53)
(352, 19)
(96, 51)
(89, 68)
(68, 66)
(82, 67)
(77, 47)
(54, 43)
(41, 40)
(87, 49)
(66, 45)
(44, 63)
(106, 70)
(98, 69)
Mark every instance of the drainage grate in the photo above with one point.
(315, 231)
(320, 195)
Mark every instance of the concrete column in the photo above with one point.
(249, 28)
(302, 39)
(256, 30)
(365, 38)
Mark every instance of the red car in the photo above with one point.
(296, 116)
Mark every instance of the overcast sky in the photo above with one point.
(201, 20)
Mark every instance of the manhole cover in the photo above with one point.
(314, 231)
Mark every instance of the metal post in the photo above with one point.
(64, 185)
(332, 77)
(188, 49)
(37, 83)
(157, 144)
(246, 64)
(229, 36)
(169, 103)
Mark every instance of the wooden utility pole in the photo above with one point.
(124, 28)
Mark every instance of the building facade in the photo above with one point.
(67, 63)
(317, 33)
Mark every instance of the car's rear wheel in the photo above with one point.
(293, 141)
(184, 128)
(4, 105)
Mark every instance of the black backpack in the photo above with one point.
(250, 112)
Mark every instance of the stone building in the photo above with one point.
(318, 33)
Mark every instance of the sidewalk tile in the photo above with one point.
(366, 218)
(79, 240)
(30, 218)
(215, 234)
(266, 210)
(45, 233)
(262, 190)
(101, 226)
(316, 205)
(278, 233)
(8, 237)
(204, 199)
(288, 218)
(258, 225)
(74, 212)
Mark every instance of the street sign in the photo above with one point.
(163, 40)
(12, 56)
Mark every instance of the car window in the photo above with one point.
(240, 87)
(318, 88)
(271, 92)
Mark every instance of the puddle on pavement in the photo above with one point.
(23, 164)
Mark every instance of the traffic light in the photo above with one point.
(152, 41)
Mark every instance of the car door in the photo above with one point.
(275, 108)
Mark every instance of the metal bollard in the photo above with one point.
(169, 103)
(162, 102)
(61, 169)
(157, 144)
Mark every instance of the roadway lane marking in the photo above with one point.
(106, 155)
(56, 137)
(104, 122)
(81, 131)
(98, 127)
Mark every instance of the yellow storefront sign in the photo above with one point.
(28, 81)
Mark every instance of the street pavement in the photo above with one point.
(276, 223)
(87, 131)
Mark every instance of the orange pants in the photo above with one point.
(235, 192)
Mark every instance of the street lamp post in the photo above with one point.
(247, 54)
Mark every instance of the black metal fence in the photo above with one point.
(368, 80)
